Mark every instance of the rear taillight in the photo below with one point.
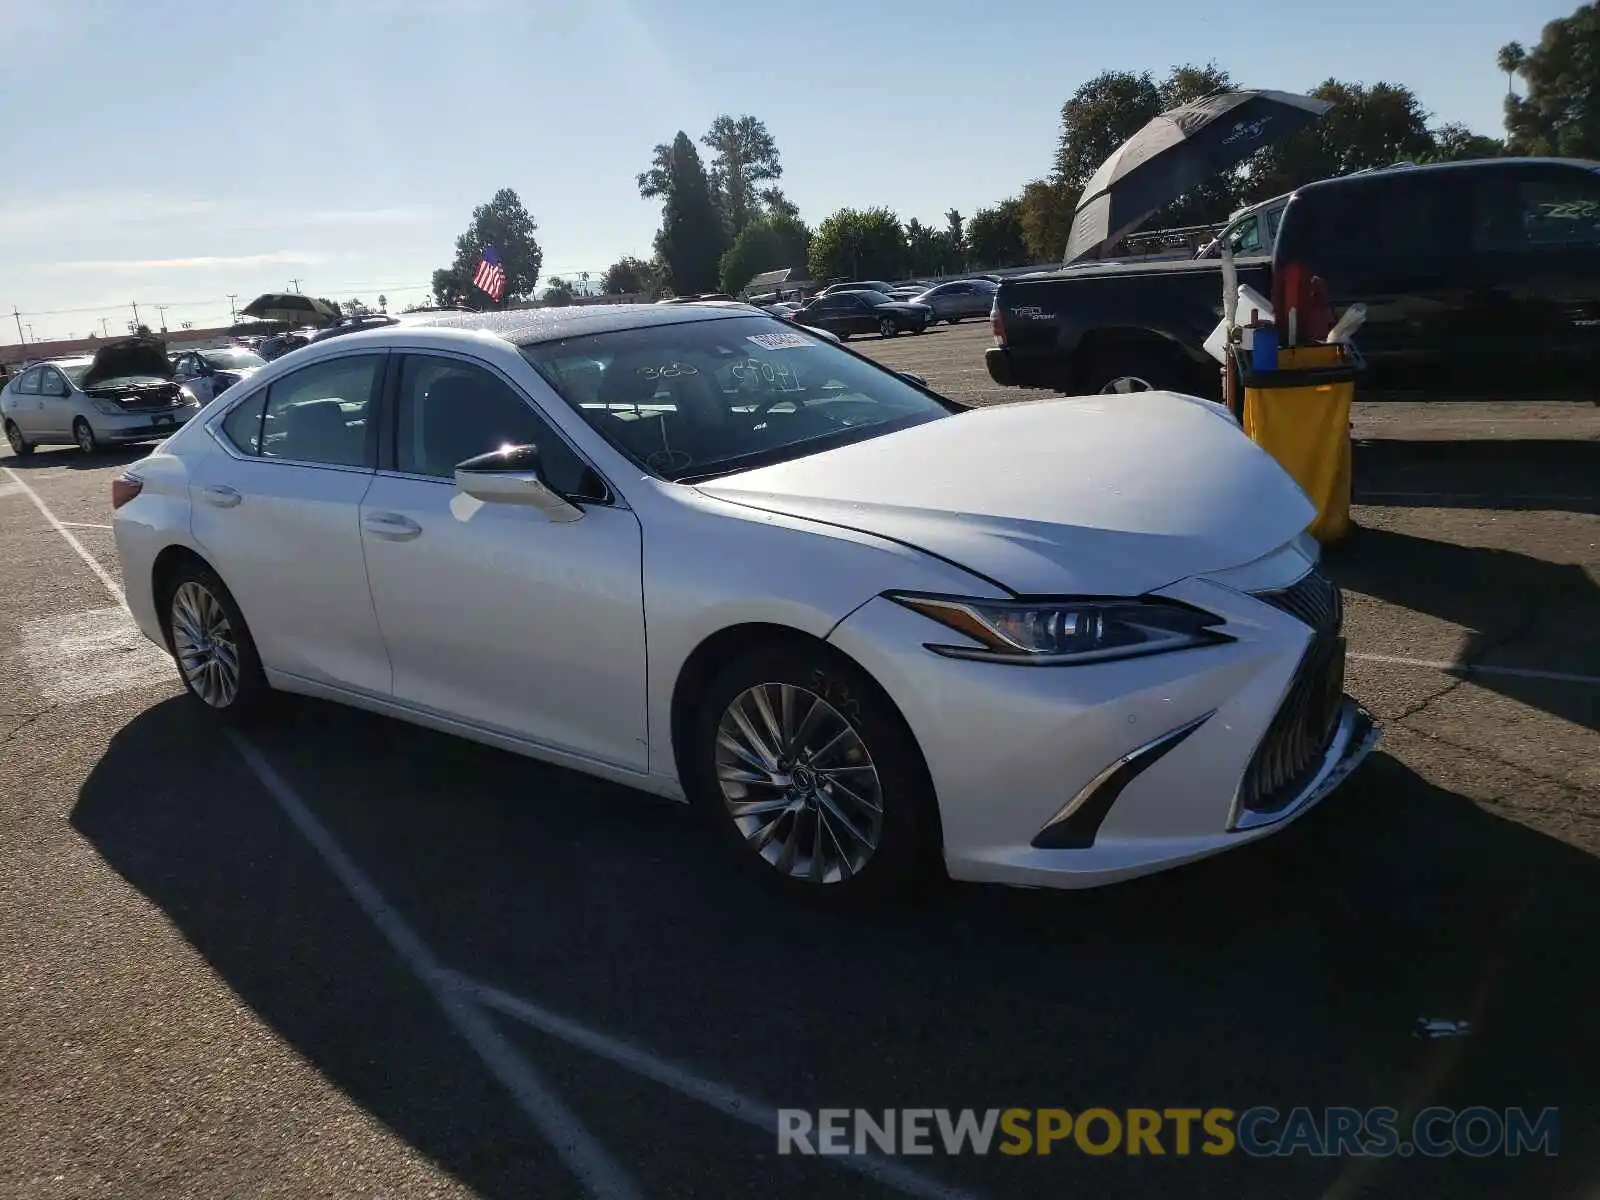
(124, 488)
(995, 326)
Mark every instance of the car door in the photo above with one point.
(278, 516)
(1532, 325)
(56, 408)
(191, 371)
(494, 614)
(26, 403)
(859, 316)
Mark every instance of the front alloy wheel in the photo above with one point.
(799, 783)
(888, 328)
(84, 436)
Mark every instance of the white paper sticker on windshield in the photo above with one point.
(781, 341)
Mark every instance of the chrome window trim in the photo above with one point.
(613, 496)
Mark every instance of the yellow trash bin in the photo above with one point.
(1300, 414)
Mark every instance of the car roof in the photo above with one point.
(1408, 170)
(527, 326)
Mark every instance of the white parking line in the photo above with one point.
(1461, 668)
(587, 1159)
(724, 1099)
(100, 572)
(83, 525)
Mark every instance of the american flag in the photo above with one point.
(490, 276)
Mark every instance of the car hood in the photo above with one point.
(137, 356)
(1076, 496)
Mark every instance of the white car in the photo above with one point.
(209, 373)
(124, 393)
(705, 553)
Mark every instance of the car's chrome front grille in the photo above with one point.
(1304, 726)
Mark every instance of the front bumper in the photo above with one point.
(1012, 749)
(142, 427)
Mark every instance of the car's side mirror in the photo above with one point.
(512, 475)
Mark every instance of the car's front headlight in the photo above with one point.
(1065, 632)
(110, 407)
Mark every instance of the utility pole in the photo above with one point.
(135, 304)
(31, 336)
(18, 316)
(233, 309)
(162, 309)
(295, 283)
(104, 332)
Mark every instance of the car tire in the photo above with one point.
(1132, 368)
(887, 328)
(83, 435)
(204, 626)
(855, 738)
(20, 446)
(952, 320)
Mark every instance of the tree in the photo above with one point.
(356, 308)
(777, 204)
(338, 309)
(859, 244)
(383, 304)
(1099, 117)
(1046, 211)
(956, 236)
(1509, 59)
(744, 156)
(1366, 127)
(995, 237)
(449, 289)
(1560, 113)
(557, 292)
(508, 227)
(766, 244)
(691, 239)
(630, 277)
(1453, 142)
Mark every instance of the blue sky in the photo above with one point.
(174, 151)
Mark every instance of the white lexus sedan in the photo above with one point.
(711, 555)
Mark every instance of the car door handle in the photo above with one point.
(392, 526)
(222, 497)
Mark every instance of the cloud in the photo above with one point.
(296, 258)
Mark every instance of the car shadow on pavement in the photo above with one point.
(1519, 611)
(1527, 474)
(1288, 972)
(72, 459)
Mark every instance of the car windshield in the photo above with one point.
(232, 360)
(75, 371)
(693, 400)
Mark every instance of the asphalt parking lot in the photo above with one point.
(345, 957)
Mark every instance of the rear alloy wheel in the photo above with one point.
(952, 320)
(212, 646)
(812, 776)
(84, 436)
(888, 328)
(20, 446)
(1124, 384)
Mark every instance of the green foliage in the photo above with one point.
(630, 276)
(932, 251)
(1561, 112)
(692, 238)
(1367, 127)
(1047, 206)
(995, 236)
(507, 226)
(744, 156)
(558, 292)
(1453, 142)
(766, 244)
(859, 244)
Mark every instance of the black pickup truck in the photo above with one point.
(1481, 281)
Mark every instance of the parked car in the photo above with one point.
(959, 299)
(1481, 280)
(783, 308)
(353, 325)
(1250, 231)
(124, 393)
(279, 344)
(907, 291)
(867, 285)
(1056, 644)
(208, 373)
(847, 313)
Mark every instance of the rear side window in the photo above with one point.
(322, 413)
(1390, 220)
(1548, 212)
(28, 384)
(242, 426)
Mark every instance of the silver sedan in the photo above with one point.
(959, 299)
(708, 554)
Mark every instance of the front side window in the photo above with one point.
(51, 383)
(1246, 239)
(692, 400)
(321, 413)
(450, 411)
(1552, 212)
